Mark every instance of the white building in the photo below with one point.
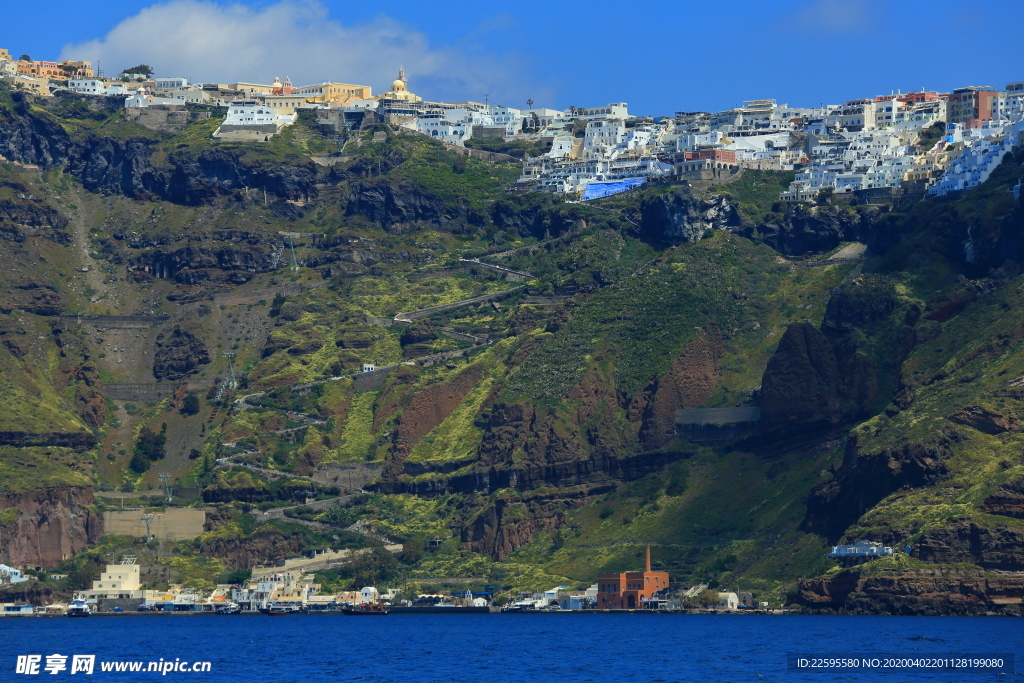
(169, 83)
(981, 154)
(510, 118)
(602, 136)
(11, 575)
(615, 110)
(1009, 104)
(87, 86)
(561, 147)
(249, 113)
(853, 115)
(452, 124)
(728, 600)
(142, 98)
(118, 581)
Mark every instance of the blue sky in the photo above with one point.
(660, 57)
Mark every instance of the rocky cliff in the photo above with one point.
(921, 592)
(52, 524)
(111, 165)
(686, 216)
(800, 229)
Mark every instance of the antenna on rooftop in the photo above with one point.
(147, 518)
(165, 478)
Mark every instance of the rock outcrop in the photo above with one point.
(78, 441)
(1007, 500)
(426, 410)
(800, 387)
(178, 354)
(400, 208)
(999, 548)
(866, 478)
(506, 525)
(985, 420)
(689, 384)
(53, 524)
(800, 229)
(125, 166)
(922, 592)
(685, 216)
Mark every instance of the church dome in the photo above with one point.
(398, 85)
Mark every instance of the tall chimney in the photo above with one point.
(647, 565)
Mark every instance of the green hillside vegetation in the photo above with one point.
(567, 377)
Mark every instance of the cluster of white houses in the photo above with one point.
(876, 148)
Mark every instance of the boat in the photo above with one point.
(230, 608)
(375, 609)
(79, 608)
(278, 609)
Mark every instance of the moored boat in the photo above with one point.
(79, 608)
(365, 609)
(278, 609)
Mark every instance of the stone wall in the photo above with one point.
(164, 118)
(175, 524)
(348, 475)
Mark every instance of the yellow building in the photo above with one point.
(252, 88)
(4, 54)
(40, 85)
(118, 581)
(400, 90)
(334, 94)
(282, 105)
(77, 69)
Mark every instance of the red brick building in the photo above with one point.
(630, 590)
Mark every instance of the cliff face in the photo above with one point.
(263, 547)
(815, 230)
(999, 548)
(53, 524)
(922, 592)
(400, 208)
(867, 478)
(115, 166)
(178, 354)
(684, 216)
(27, 137)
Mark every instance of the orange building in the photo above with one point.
(34, 68)
(630, 590)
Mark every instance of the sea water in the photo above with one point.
(498, 647)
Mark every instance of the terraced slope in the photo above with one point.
(527, 437)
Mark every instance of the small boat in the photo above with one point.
(230, 608)
(79, 608)
(365, 609)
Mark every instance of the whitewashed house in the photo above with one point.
(87, 86)
(249, 113)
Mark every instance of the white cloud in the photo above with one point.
(837, 15)
(211, 43)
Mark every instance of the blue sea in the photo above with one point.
(517, 648)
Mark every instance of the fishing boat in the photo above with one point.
(79, 608)
(375, 608)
